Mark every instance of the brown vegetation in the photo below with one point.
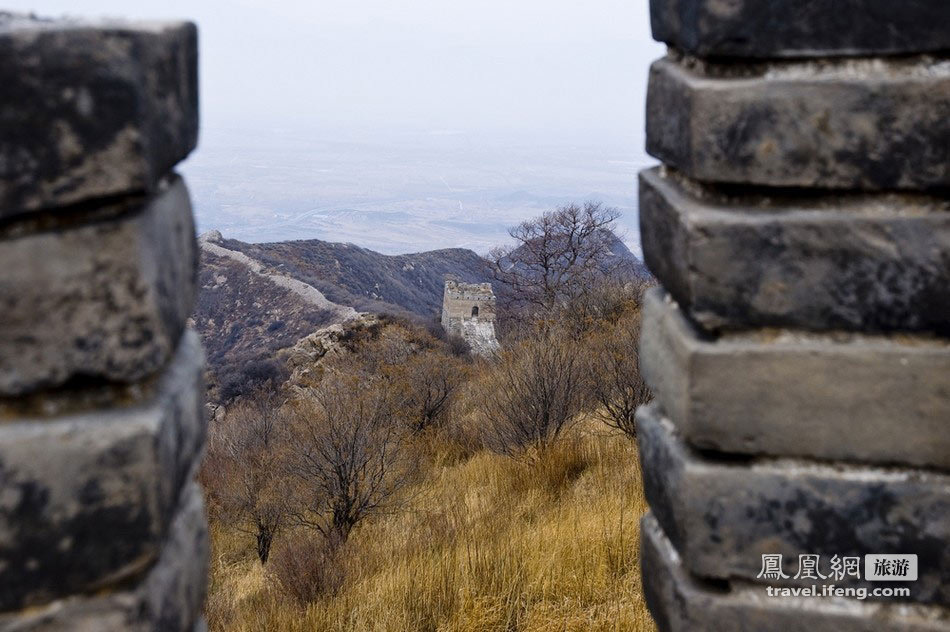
(243, 469)
(556, 258)
(614, 361)
(385, 480)
(535, 390)
(347, 456)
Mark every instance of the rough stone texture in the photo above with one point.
(722, 515)
(468, 311)
(105, 299)
(480, 336)
(792, 28)
(682, 603)
(851, 262)
(467, 300)
(92, 109)
(85, 499)
(168, 599)
(853, 124)
(851, 397)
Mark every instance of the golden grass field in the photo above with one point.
(483, 543)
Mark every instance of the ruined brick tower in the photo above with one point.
(798, 348)
(102, 526)
(468, 310)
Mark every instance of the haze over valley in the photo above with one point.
(403, 193)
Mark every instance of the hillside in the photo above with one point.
(565, 556)
(409, 285)
(400, 451)
(257, 299)
(244, 319)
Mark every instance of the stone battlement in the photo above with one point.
(458, 291)
(102, 526)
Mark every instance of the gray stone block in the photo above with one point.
(848, 124)
(680, 602)
(169, 597)
(877, 262)
(791, 28)
(91, 110)
(723, 514)
(828, 396)
(105, 299)
(86, 498)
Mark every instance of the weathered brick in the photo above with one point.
(168, 599)
(86, 498)
(829, 396)
(861, 262)
(92, 109)
(104, 299)
(847, 124)
(680, 602)
(723, 514)
(791, 28)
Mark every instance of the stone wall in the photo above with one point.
(102, 526)
(799, 347)
(460, 318)
(459, 299)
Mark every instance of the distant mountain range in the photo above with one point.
(256, 299)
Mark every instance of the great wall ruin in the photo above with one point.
(797, 349)
(102, 526)
(800, 228)
(468, 311)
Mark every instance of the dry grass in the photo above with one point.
(484, 543)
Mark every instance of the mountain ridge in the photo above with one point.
(259, 298)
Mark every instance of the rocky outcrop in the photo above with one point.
(303, 358)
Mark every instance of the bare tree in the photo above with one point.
(556, 257)
(431, 382)
(242, 470)
(533, 394)
(605, 302)
(617, 384)
(347, 454)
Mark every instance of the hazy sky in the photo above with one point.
(553, 68)
(407, 124)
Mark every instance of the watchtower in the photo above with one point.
(466, 301)
(468, 310)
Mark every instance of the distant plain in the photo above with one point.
(400, 193)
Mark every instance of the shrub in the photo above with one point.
(242, 473)
(616, 382)
(308, 568)
(533, 393)
(346, 454)
(248, 374)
